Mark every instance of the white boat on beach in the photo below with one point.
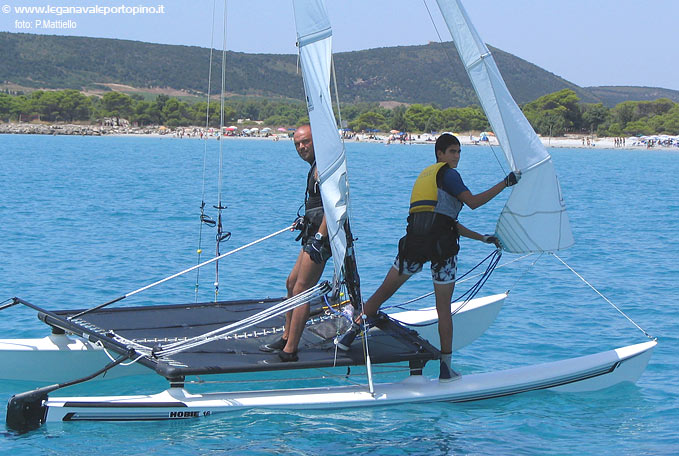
(181, 341)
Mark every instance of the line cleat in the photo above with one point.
(273, 347)
(448, 374)
(344, 342)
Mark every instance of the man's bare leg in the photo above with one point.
(308, 274)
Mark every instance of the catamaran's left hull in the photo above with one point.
(57, 358)
(587, 373)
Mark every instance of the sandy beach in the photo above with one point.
(466, 138)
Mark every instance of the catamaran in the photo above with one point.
(180, 341)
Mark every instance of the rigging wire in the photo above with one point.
(6, 303)
(212, 260)
(604, 297)
(205, 219)
(450, 61)
(526, 271)
(221, 236)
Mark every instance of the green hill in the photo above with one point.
(404, 74)
(616, 94)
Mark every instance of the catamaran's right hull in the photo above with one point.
(586, 373)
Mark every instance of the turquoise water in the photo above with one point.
(85, 220)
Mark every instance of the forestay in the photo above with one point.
(314, 38)
(534, 218)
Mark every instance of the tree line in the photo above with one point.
(553, 114)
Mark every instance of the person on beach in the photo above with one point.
(432, 235)
(312, 257)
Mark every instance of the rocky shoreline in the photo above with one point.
(77, 130)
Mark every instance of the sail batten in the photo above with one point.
(314, 38)
(534, 218)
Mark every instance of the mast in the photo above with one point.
(314, 39)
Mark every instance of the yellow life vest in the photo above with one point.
(425, 191)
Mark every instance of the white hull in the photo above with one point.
(586, 373)
(58, 358)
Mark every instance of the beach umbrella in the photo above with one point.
(394, 132)
(266, 130)
(281, 129)
(232, 128)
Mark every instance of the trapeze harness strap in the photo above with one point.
(313, 205)
(431, 234)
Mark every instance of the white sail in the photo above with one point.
(534, 218)
(314, 38)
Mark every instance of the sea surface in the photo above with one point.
(87, 219)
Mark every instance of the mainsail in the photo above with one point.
(534, 218)
(314, 38)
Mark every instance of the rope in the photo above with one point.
(604, 297)
(474, 289)
(335, 311)
(460, 280)
(113, 359)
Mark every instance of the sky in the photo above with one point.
(587, 42)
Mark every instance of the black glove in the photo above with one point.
(315, 251)
(492, 240)
(512, 178)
